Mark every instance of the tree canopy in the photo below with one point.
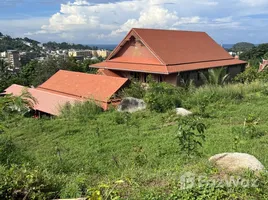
(242, 47)
(255, 53)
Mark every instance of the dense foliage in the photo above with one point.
(94, 154)
(65, 45)
(161, 97)
(242, 47)
(9, 43)
(255, 55)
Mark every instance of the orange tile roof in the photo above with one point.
(107, 72)
(203, 65)
(46, 101)
(180, 47)
(176, 50)
(82, 85)
(162, 69)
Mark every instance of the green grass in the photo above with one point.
(143, 150)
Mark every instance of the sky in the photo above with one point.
(108, 21)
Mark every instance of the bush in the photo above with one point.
(81, 111)
(207, 94)
(135, 89)
(249, 75)
(162, 97)
(25, 183)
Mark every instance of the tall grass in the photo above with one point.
(228, 92)
(81, 111)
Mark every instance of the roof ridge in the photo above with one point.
(159, 29)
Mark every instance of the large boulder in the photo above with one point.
(183, 112)
(131, 105)
(233, 162)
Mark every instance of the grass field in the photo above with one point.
(142, 148)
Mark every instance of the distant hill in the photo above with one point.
(27, 44)
(22, 44)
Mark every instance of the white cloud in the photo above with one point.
(86, 22)
(154, 17)
(255, 2)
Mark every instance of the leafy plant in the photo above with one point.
(249, 75)
(161, 97)
(217, 76)
(105, 191)
(21, 104)
(23, 183)
(250, 127)
(82, 111)
(135, 89)
(191, 134)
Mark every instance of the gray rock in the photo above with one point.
(233, 162)
(183, 112)
(131, 105)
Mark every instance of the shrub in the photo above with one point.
(135, 89)
(81, 111)
(191, 135)
(25, 183)
(211, 93)
(161, 97)
(248, 76)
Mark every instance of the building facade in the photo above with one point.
(169, 56)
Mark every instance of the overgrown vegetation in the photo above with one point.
(84, 152)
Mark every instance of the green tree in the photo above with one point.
(5, 75)
(265, 56)
(21, 104)
(242, 47)
(162, 97)
(255, 53)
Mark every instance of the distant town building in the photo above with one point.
(103, 53)
(13, 58)
(80, 53)
(3, 54)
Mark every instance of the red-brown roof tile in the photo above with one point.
(180, 47)
(203, 65)
(162, 69)
(158, 69)
(47, 102)
(82, 85)
(176, 50)
(107, 72)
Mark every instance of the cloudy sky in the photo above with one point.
(107, 21)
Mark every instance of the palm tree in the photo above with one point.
(17, 104)
(217, 76)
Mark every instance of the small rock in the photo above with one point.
(233, 162)
(183, 112)
(131, 105)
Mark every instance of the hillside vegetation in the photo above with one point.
(112, 155)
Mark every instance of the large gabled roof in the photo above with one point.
(180, 47)
(170, 48)
(82, 85)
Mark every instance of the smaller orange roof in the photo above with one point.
(82, 85)
(107, 72)
(47, 102)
